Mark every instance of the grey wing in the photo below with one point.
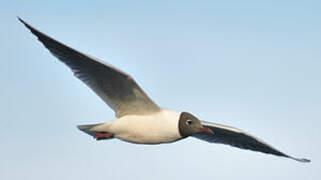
(237, 138)
(117, 89)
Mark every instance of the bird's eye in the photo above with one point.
(188, 122)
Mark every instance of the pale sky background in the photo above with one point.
(249, 64)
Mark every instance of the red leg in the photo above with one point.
(103, 135)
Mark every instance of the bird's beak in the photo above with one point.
(206, 130)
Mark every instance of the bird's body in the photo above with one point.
(156, 128)
(139, 119)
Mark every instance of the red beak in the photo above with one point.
(206, 130)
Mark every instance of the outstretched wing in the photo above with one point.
(237, 138)
(116, 88)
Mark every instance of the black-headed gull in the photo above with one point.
(139, 119)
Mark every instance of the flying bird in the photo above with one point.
(139, 119)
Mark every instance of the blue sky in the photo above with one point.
(253, 65)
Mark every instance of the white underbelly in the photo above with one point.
(158, 128)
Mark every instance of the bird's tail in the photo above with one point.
(87, 129)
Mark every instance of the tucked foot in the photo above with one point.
(103, 135)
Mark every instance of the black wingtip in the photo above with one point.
(302, 160)
(24, 23)
(21, 20)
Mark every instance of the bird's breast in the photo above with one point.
(160, 127)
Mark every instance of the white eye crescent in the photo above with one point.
(188, 122)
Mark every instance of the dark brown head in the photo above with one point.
(189, 124)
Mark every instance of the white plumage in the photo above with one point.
(156, 128)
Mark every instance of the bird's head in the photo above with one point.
(189, 124)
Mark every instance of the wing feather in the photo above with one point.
(237, 138)
(116, 88)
